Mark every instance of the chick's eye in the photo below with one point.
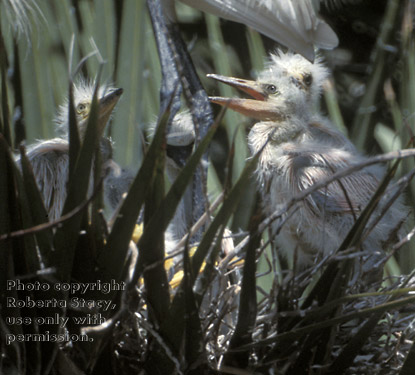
(272, 89)
(82, 107)
(308, 79)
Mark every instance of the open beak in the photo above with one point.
(107, 104)
(259, 107)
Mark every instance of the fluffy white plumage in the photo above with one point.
(293, 65)
(83, 92)
(19, 13)
(50, 158)
(50, 161)
(293, 23)
(300, 148)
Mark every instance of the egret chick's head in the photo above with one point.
(180, 139)
(83, 93)
(289, 86)
(306, 76)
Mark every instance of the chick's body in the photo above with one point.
(50, 158)
(299, 148)
(320, 222)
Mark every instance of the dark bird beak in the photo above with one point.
(259, 107)
(107, 104)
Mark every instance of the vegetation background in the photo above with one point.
(376, 47)
(371, 96)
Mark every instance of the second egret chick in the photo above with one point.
(50, 158)
(299, 148)
(180, 139)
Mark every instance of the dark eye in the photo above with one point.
(272, 89)
(308, 79)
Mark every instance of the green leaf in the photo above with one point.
(333, 106)
(352, 348)
(194, 346)
(67, 235)
(363, 122)
(247, 311)
(174, 325)
(134, 53)
(152, 252)
(409, 364)
(10, 251)
(5, 119)
(74, 140)
(112, 260)
(223, 64)
(37, 209)
(168, 206)
(158, 224)
(316, 327)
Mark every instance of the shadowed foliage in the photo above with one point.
(229, 303)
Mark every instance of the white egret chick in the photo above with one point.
(301, 148)
(180, 139)
(50, 158)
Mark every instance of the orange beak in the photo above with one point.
(259, 107)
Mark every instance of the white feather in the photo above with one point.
(293, 23)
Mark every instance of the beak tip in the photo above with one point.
(218, 99)
(218, 77)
